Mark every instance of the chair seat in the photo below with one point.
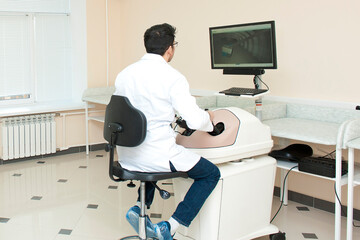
(125, 174)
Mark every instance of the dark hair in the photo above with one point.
(159, 38)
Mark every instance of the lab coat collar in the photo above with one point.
(153, 56)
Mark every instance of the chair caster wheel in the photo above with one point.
(278, 236)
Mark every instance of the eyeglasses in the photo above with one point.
(175, 44)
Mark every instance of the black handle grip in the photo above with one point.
(218, 129)
(182, 123)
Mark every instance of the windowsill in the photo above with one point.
(35, 108)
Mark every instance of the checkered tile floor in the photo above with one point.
(72, 197)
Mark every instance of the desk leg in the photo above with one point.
(285, 189)
(87, 127)
(350, 193)
(338, 190)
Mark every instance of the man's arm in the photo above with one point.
(185, 104)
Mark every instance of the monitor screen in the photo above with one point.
(243, 46)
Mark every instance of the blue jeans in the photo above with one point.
(206, 175)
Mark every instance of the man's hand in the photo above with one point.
(218, 129)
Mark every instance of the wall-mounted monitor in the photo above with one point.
(243, 48)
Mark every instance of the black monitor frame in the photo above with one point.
(245, 70)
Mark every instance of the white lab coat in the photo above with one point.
(158, 90)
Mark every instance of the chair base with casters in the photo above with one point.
(120, 115)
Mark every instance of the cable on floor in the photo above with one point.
(282, 200)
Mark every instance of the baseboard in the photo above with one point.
(316, 203)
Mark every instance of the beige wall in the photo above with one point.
(317, 42)
(96, 42)
(98, 75)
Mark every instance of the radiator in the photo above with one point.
(28, 136)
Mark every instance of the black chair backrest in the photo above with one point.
(126, 121)
(126, 126)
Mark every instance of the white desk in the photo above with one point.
(314, 132)
(99, 96)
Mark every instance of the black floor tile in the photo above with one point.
(92, 206)
(4, 220)
(65, 231)
(310, 236)
(303, 208)
(36, 198)
(155, 215)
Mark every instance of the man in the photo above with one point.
(158, 90)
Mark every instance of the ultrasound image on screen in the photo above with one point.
(250, 48)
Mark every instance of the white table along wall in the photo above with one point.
(99, 96)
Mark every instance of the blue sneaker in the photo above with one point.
(162, 231)
(132, 216)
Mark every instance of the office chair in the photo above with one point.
(126, 126)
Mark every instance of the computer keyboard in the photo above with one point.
(236, 91)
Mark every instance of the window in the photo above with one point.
(15, 64)
(53, 57)
(38, 41)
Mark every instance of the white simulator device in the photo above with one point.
(240, 205)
